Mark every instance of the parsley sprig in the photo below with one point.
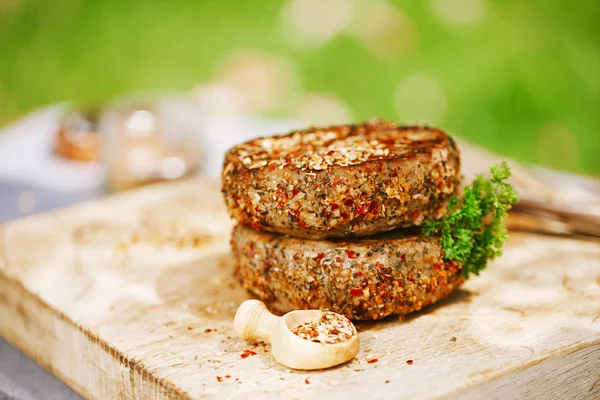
(473, 230)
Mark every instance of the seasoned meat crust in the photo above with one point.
(341, 181)
(365, 279)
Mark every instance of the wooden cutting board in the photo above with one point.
(133, 297)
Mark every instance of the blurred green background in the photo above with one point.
(520, 77)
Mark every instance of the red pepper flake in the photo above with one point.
(345, 216)
(372, 360)
(401, 318)
(409, 362)
(334, 207)
(280, 192)
(303, 224)
(337, 182)
(247, 353)
(319, 257)
(351, 255)
(208, 330)
(271, 167)
(363, 209)
(330, 152)
(219, 379)
(348, 202)
(255, 344)
(295, 192)
(255, 224)
(440, 183)
(414, 214)
(356, 292)
(387, 381)
(306, 381)
(227, 376)
(438, 267)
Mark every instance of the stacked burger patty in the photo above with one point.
(328, 218)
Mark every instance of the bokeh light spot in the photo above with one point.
(259, 79)
(141, 124)
(420, 99)
(383, 29)
(459, 12)
(324, 109)
(218, 99)
(314, 22)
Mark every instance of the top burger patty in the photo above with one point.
(341, 181)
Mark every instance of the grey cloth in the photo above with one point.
(20, 377)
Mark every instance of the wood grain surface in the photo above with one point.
(133, 297)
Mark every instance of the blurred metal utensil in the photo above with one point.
(551, 201)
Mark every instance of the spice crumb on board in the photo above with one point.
(372, 360)
(247, 353)
(219, 379)
(306, 381)
(453, 339)
(387, 381)
(330, 328)
(409, 362)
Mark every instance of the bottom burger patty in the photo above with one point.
(364, 279)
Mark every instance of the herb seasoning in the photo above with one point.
(330, 328)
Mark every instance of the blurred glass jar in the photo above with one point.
(77, 137)
(148, 138)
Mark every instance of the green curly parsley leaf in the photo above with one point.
(473, 231)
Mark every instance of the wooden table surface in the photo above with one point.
(133, 297)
